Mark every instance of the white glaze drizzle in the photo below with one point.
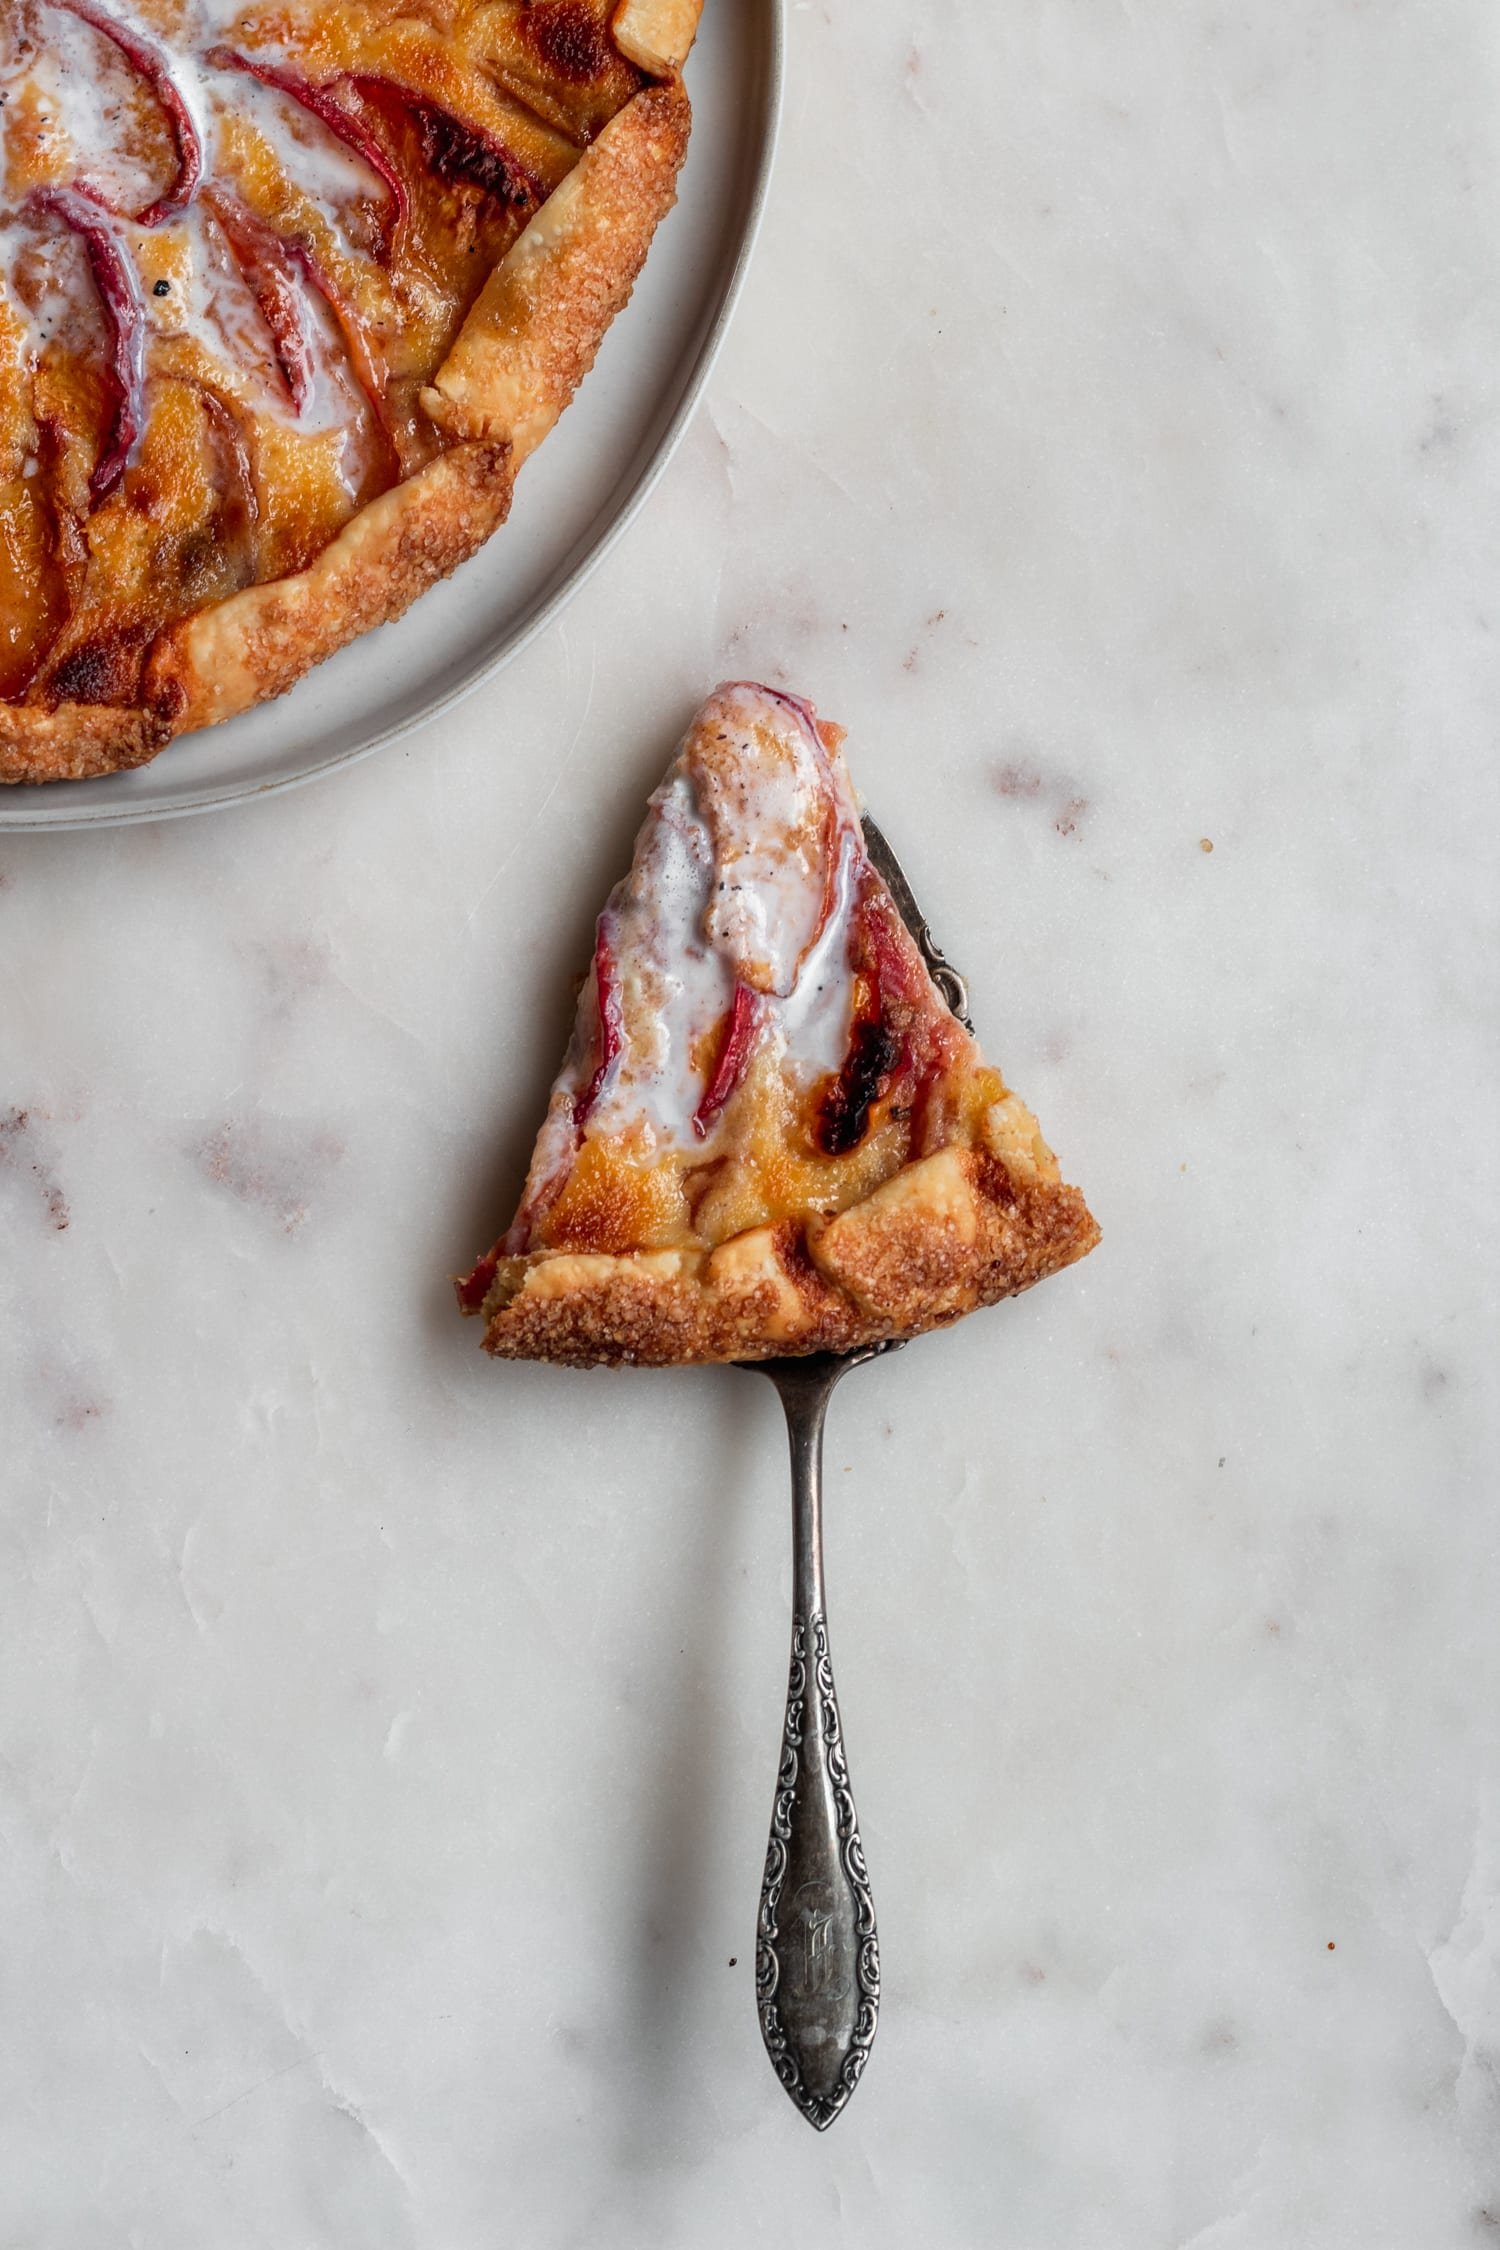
(305, 149)
(726, 886)
(215, 308)
(89, 88)
(83, 80)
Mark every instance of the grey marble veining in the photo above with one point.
(1109, 438)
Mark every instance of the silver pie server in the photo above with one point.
(817, 1955)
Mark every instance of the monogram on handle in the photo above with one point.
(817, 1959)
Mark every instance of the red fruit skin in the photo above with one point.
(146, 57)
(733, 1056)
(270, 269)
(611, 1018)
(273, 264)
(119, 292)
(902, 1044)
(471, 1289)
(368, 375)
(807, 718)
(342, 121)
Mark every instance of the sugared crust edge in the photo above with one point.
(950, 1233)
(580, 265)
(532, 333)
(76, 741)
(256, 644)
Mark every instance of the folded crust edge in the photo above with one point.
(946, 1235)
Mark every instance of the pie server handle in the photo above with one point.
(817, 1960)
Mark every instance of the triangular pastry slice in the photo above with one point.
(769, 1135)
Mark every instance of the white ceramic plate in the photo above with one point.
(572, 500)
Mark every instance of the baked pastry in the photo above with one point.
(289, 289)
(770, 1135)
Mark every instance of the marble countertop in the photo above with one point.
(1108, 437)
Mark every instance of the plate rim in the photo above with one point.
(45, 817)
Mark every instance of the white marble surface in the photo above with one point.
(1109, 438)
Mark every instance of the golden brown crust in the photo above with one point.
(530, 338)
(76, 741)
(532, 334)
(955, 1231)
(258, 643)
(945, 1235)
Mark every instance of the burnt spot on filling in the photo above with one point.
(569, 38)
(101, 671)
(455, 153)
(844, 1112)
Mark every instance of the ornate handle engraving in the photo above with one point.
(817, 1958)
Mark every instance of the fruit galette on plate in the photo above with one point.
(289, 289)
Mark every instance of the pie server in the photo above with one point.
(817, 1957)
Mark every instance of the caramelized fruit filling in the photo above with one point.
(236, 241)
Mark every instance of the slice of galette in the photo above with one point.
(770, 1134)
